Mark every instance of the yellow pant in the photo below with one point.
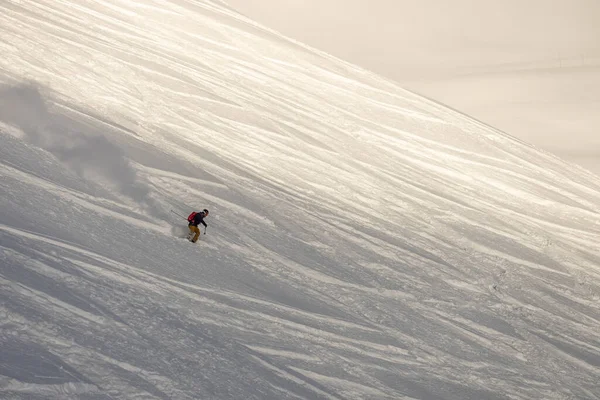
(194, 229)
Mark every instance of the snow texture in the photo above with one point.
(363, 242)
(529, 68)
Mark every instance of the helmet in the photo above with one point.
(205, 211)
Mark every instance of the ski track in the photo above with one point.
(364, 242)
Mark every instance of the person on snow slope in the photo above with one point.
(195, 219)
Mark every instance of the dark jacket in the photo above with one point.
(198, 219)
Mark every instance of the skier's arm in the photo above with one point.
(199, 220)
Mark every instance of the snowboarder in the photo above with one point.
(195, 219)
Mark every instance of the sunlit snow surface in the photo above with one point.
(363, 243)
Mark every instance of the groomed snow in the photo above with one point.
(363, 242)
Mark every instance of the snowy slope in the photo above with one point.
(363, 242)
(529, 68)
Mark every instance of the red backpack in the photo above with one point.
(191, 216)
